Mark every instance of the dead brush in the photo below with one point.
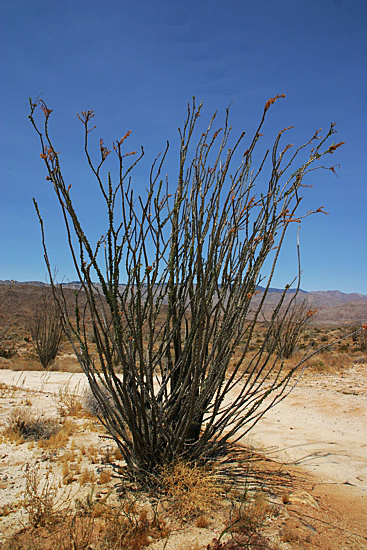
(192, 491)
(66, 521)
(60, 438)
(22, 425)
(133, 524)
(44, 507)
(247, 514)
(69, 401)
(243, 525)
(330, 361)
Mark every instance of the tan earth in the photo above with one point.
(318, 433)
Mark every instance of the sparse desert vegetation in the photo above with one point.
(72, 492)
(71, 489)
(339, 344)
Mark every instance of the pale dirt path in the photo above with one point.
(321, 428)
(320, 425)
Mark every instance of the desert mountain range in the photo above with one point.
(334, 307)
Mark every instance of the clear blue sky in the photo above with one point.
(137, 64)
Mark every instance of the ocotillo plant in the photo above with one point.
(6, 348)
(169, 286)
(286, 327)
(46, 330)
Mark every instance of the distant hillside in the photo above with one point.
(324, 296)
(337, 307)
(334, 307)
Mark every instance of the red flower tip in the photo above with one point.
(272, 100)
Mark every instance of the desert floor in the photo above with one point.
(318, 431)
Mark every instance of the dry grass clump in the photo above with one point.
(22, 425)
(243, 525)
(58, 522)
(86, 476)
(40, 500)
(91, 425)
(68, 472)
(330, 361)
(191, 489)
(117, 454)
(69, 401)
(59, 439)
(105, 476)
(92, 453)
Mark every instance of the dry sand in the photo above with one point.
(321, 426)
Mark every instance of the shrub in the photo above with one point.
(360, 337)
(286, 327)
(176, 272)
(40, 496)
(6, 349)
(23, 424)
(192, 490)
(46, 331)
(91, 404)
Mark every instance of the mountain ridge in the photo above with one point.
(338, 294)
(333, 307)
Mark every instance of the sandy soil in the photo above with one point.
(320, 427)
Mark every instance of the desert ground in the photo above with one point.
(316, 436)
